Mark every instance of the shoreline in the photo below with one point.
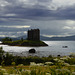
(38, 54)
(54, 49)
(25, 43)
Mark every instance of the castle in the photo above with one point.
(33, 34)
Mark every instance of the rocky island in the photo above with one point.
(33, 39)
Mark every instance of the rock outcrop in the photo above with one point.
(32, 51)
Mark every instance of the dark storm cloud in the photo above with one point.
(36, 11)
(67, 13)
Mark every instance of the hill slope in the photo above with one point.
(67, 38)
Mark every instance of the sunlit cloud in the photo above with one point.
(22, 32)
(70, 22)
(13, 34)
(64, 35)
(63, 3)
(10, 15)
(16, 26)
(4, 3)
(69, 27)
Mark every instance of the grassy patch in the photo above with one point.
(25, 43)
(37, 69)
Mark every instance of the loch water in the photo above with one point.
(55, 48)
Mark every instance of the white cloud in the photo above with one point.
(70, 22)
(63, 3)
(4, 3)
(70, 25)
(48, 35)
(22, 32)
(10, 15)
(25, 32)
(7, 34)
(2, 35)
(64, 35)
(25, 26)
(27, 3)
(67, 27)
(13, 34)
(48, 3)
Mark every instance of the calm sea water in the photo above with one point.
(55, 48)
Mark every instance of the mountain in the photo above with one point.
(44, 38)
(41, 37)
(67, 38)
(70, 38)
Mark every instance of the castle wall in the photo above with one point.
(34, 34)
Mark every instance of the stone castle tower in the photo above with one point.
(34, 34)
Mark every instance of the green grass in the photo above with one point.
(41, 66)
(16, 65)
(38, 69)
(51, 66)
(25, 43)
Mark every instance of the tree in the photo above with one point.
(1, 54)
(6, 39)
(21, 39)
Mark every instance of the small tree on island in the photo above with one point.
(22, 39)
(6, 39)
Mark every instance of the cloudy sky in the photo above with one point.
(52, 17)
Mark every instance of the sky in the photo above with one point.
(52, 17)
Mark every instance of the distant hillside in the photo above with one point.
(54, 38)
(67, 38)
(41, 37)
(1, 38)
(44, 38)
